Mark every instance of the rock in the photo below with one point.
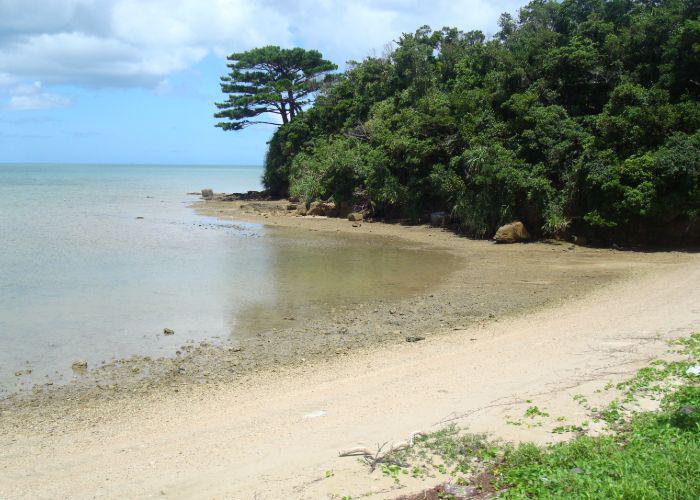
(168, 331)
(458, 491)
(414, 339)
(512, 233)
(356, 217)
(207, 194)
(302, 210)
(81, 364)
(292, 206)
(439, 218)
(326, 208)
(139, 218)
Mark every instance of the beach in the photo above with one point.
(266, 417)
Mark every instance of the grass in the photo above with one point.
(653, 455)
(643, 454)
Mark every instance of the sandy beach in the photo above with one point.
(266, 418)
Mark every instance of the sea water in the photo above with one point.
(96, 260)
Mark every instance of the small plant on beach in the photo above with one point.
(534, 411)
(391, 470)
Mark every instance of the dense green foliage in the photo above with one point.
(578, 117)
(656, 455)
(270, 80)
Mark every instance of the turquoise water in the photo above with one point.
(83, 276)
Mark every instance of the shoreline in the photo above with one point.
(278, 433)
(488, 284)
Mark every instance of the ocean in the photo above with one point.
(96, 260)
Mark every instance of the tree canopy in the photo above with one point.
(579, 117)
(270, 80)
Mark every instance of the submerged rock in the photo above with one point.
(512, 233)
(168, 331)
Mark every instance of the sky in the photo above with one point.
(135, 81)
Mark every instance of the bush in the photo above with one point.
(576, 118)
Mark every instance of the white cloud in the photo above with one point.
(29, 97)
(141, 42)
(350, 30)
(38, 101)
(6, 80)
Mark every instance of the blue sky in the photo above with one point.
(134, 81)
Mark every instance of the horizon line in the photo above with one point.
(131, 164)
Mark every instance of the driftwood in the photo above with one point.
(382, 453)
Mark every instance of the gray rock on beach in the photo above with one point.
(439, 218)
(168, 331)
(207, 194)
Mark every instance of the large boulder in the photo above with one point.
(356, 216)
(514, 232)
(322, 208)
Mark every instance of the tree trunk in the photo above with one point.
(283, 108)
(292, 105)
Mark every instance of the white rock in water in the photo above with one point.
(693, 370)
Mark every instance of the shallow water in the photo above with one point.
(83, 276)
